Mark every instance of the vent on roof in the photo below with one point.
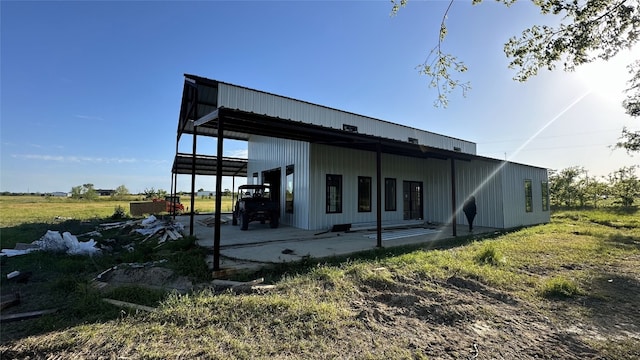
(349, 128)
(455, 148)
(413, 140)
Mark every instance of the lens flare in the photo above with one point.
(504, 163)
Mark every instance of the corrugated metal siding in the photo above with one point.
(513, 176)
(241, 98)
(269, 153)
(434, 174)
(438, 191)
(497, 186)
(350, 164)
(483, 180)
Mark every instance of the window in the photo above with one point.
(364, 193)
(545, 196)
(528, 196)
(350, 128)
(288, 201)
(389, 194)
(334, 194)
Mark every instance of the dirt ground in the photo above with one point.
(460, 318)
(155, 277)
(463, 319)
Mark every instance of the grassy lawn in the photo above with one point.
(27, 218)
(16, 210)
(569, 289)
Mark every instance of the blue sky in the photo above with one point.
(90, 91)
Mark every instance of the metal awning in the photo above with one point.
(207, 165)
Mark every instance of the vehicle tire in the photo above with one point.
(244, 221)
(274, 222)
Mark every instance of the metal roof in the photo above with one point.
(199, 99)
(206, 165)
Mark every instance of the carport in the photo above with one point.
(193, 165)
(201, 115)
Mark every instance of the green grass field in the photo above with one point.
(16, 210)
(569, 289)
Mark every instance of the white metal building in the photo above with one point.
(331, 167)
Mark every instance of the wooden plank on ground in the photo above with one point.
(129, 305)
(172, 235)
(231, 283)
(26, 315)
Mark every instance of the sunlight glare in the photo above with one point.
(608, 79)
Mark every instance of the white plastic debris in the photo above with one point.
(151, 219)
(68, 243)
(15, 252)
(51, 241)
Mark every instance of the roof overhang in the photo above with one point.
(200, 114)
(207, 165)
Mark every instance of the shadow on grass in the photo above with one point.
(59, 282)
(612, 302)
(625, 242)
(64, 282)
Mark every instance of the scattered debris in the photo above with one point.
(99, 277)
(129, 305)
(26, 315)
(163, 230)
(16, 252)
(253, 286)
(23, 246)
(119, 225)
(211, 221)
(20, 277)
(341, 227)
(93, 233)
(53, 241)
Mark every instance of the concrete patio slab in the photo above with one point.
(260, 245)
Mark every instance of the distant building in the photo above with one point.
(205, 193)
(103, 192)
(59, 194)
